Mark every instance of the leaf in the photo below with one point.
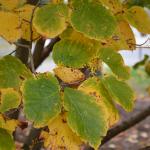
(94, 87)
(10, 31)
(12, 72)
(84, 116)
(139, 19)
(41, 99)
(93, 20)
(8, 124)
(60, 136)
(6, 140)
(50, 20)
(115, 61)
(11, 4)
(120, 92)
(25, 14)
(9, 99)
(72, 53)
(69, 75)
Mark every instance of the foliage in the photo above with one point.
(76, 102)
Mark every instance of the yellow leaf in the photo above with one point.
(10, 26)
(9, 125)
(11, 4)
(69, 75)
(139, 19)
(25, 14)
(60, 136)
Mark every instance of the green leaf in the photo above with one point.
(9, 99)
(94, 87)
(6, 140)
(84, 116)
(93, 20)
(72, 53)
(50, 20)
(12, 72)
(114, 60)
(41, 99)
(139, 19)
(120, 92)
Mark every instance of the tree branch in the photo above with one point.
(46, 51)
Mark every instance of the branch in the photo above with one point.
(46, 51)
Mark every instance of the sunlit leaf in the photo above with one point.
(6, 140)
(115, 61)
(72, 53)
(94, 87)
(12, 72)
(93, 20)
(139, 19)
(60, 136)
(10, 31)
(50, 20)
(84, 116)
(9, 99)
(120, 91)
(41, 99)
(69, 75)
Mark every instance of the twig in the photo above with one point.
(31, 37)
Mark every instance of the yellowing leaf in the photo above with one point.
(60, 136)
(120, 91)
(11, 4)
(50, 20)
(9, 99)
(94, 87)
(25, 14)
(69, 75)
(93, 20)
(10, 26)
(72, 53)
(115, 61)
(84, 116)
(41, 99)
(139, 19)
(8, 124)
(12, 72)
(6, 140)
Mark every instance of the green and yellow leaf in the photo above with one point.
(115, 61)
(120, 91)
(50, 20)
(9, 99)
(93, 20)
(84, 116)
(94, 87)
(42, 100)
(12, 72)
(72, 53)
